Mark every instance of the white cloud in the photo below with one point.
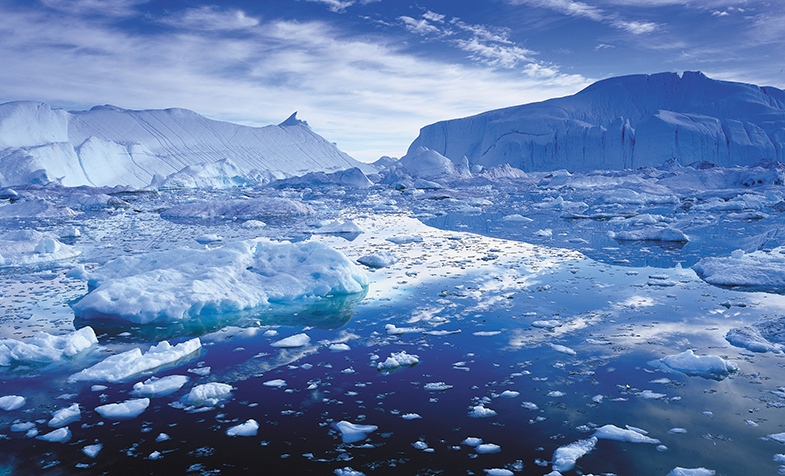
(494, 54)
(431, 16)
(114, 8)
(421, 27)
(210, 17)
(584, 10)
(337, 6)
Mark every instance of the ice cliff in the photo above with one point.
(109, 146)
(621, 123)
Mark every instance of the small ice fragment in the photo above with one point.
(23, 426)
(207, 239)
(92, 450)
(162, 437)
(480, 411)
(339, 348)
(597, 398)
(127, 410)
(65, 416)
(678, 471)
(11, 402)
(498, 472)
(509, 394)
(556, 393)
(60, 435)
(437, 386)
(297, 340)
(98, 388)
(278, 383)
(209, 393)
(472, 441)
(706, 366)
(351, 432)
(677, 431)
(158, 387)
(779, 437)
(530, 406)
(410, 416)
(399, 359)
(154, 455)
(563, 349)
(546, 324)
(392, 330)
(611, 432)
(488, 448)
(565, 457)
(348, 471)
(420, 445)
(270, 333)
(249, 428)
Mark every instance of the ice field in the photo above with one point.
(543, 323)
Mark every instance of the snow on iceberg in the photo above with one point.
(159, 387)
(706, 366)
(209, 393)
(759, 269)
(397, 360)
(612, 432)
(242, 209)
(220, 174)
(249, 428)
(183, 283)
(679, 471)
(44, 348)
(27, 247)
(565, 457)
(122, 367)
(126, 410)
(352, 432)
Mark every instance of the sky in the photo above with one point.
(368, 74)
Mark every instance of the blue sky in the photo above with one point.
(367, 74)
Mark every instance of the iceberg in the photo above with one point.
(758, 269)
(127, 365)
(249, 428)
(159, 387)
(352, 432)
(707, 366)
(209, 394)
(184, 283)
(126, 410)
(565, 457)
(612, 432)
(29, 247)
(12, 402)
(65, 416)
(44, 348)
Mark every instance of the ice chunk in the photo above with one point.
(183, 283)
(779, 437)
(11, 402)
(336, 227)
(339, 347)
(437, 386)
(480, 411)
(348, 471)
(249, 428)
(611, 432)
(127, 410)
(158, 387)
(207, 238)
(23, 426)
(351, 432)
(60, 435)
(565, 457)
(509, 394)
(64, 416)
(652, 234)
(380, 259)
(122, 367)
(92, 450)
(472, 441)
(517, 218)
(706, 366)
(411, 416)
(678, 471)
(392, 330)
(562, 349)
(209, 393)
(498, 472)
(278, 383)
(44, 348)
(399, 359)
(26, 247)
(297, 340)
(760, 269)
(404, 239)
(241, 209)
(488, 448)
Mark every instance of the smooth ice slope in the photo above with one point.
(111, 146)
(618, 123)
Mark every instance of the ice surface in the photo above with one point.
(126, 410)
(11, 402)
(249, 428)
(760, 268)
(28, 247)
(751, 338)
(209, 393)
(488, 448)
(498, 472)
(159, 387)
(706, 366)
(64, 416)
(348, 471)
(652, 234)
(184, 283)
(381, 259)
(60, 435)
(480, 411)
(44, 348)
(565, 457)
(92, 450)
(612, 432)
(352, 432)
(253, 208)
(297, 340)
(679, 471)
(127, 365)
(398, 359)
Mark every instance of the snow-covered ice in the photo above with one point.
(249, 428)
(565, 457)
(159, 387)
(12, 402)
(125, 410)
(706, 366)
(209, 393)
(353, 432)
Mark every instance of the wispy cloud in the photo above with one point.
(420, 27)
(340, 6)
(584, 10)
(114, 8)
(210, 18)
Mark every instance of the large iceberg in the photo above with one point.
(183, 283)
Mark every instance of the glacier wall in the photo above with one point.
(621, 123)
(108, 146)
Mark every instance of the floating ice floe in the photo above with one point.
(159, 387)
(404, 239)
(392, 330)
(124, 366)
(565, 457)
(397, 360)
(340, 347)
(92, 450)
(487, 448)
(277, 383)
(437, 386)
(64, 416)
(562, 349)
(480, 411)
(517, 218)
(758, 269)
(678, 471)
(126, 410)
(241, 209)
(348, 471)
(498, 472)
(381, 259)
(352, 432)
(706, 366)
(60, 435)
(612, 432)
(183, 283)
(297, 340)
(759, 337)
(209, 394)
(335, 227)
(12, 402)
(249, 428)
(28, 247)
(651, 234)
(35, 208)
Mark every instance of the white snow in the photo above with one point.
(64, 416)
(706, 366)
(209, 393)
(565, 457)
(352, 432)
(12, 402)
(126, 410)
(159, 387)
(297, 340)
(612, 432)
(380, 259)
(398, 359)
(127, 365)
(480, 411)
(183, 283)
(249, 428)
(27, 247)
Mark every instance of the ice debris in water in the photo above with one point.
(348, 471)
(64, 416)
(488, 448)
(381, 259)
(760, 268)
(158, 387)
(437, 386)
(651, 234)
(706, 366)
(126, 410)
(60, 435)
(44, 348)
(126, 365)
(11, 402)
(480, 411)
(352, 432)
(27, 247)
(184, 283)
(297, 340)
(612, 432)
(399, 359)
(498, 472)
(392, 330)
(277, 383)
(209, 393)
(92, 450)
(562, 349)
(242, 209)
(565, 457)
(678, 471)
(249, 428)
(340, 347)
(752, 338)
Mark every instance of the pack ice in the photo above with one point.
(184, 283)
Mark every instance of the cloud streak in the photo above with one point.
(583, 10)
